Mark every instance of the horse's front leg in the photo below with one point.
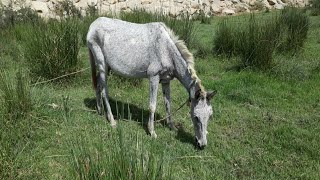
(166, 95)
(154, 84)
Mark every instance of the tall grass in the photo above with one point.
(315, 8)
(10, 17)
(16, 100)
(122, 161)
(224, 39)
(257, 42)
(297, 24)
(253, 41)
(15, 107)
(52, 49)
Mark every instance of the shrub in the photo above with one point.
(52, 49)
(224, 39)
(315, 8)
(297, 26)
(254, 42)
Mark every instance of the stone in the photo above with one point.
(272, 2)
(146, 1)
(278, 6)
(216, 9)
(228, 12)
(40, 7)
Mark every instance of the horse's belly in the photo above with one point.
(128, 68)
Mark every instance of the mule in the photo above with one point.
(147, 51)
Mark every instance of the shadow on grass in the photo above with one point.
(184, 136)
(121, 110)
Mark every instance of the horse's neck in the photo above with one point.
(183, 75)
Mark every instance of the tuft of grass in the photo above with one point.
(120, 162)
(15, 130)
(253, 41)
(52, 50)
(315, 7)
(297, 24)
(257, 42)
(224, 39)
(15, 97)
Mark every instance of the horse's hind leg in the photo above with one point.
(154, 84)
(98, 95)
(103, 78)
(102, 81)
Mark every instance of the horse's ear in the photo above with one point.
(210, 94)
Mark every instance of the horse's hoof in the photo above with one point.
(173, 128)
(153, 135)
(113, 124)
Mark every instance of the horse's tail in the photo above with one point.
(93, 69)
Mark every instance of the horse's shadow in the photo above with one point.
(132, 112)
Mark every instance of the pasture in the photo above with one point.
(265, 125)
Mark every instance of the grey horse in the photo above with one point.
(147, 51)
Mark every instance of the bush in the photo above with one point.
(254, 42)
(257, 42)
(52, 49)
(224, 39)
(297, 24)
(315, 7)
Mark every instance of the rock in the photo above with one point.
(146, 1)
(235, 1)
(278, 6)
(40, 7)
(272, 2)
(228, 12)
(215, 9)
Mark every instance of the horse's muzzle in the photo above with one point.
(200, 144)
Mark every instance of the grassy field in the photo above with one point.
(266, 125)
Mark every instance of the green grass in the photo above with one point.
(265, 124)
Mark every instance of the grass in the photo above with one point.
(265, 124)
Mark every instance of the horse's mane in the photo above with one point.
(186, 54)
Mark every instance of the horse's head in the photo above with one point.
(201, 111)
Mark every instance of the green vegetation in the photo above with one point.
(255, 41)
(265, 124)
(52, 49)
(315, 9)
(296, 22)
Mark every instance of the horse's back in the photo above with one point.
(130, 49)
